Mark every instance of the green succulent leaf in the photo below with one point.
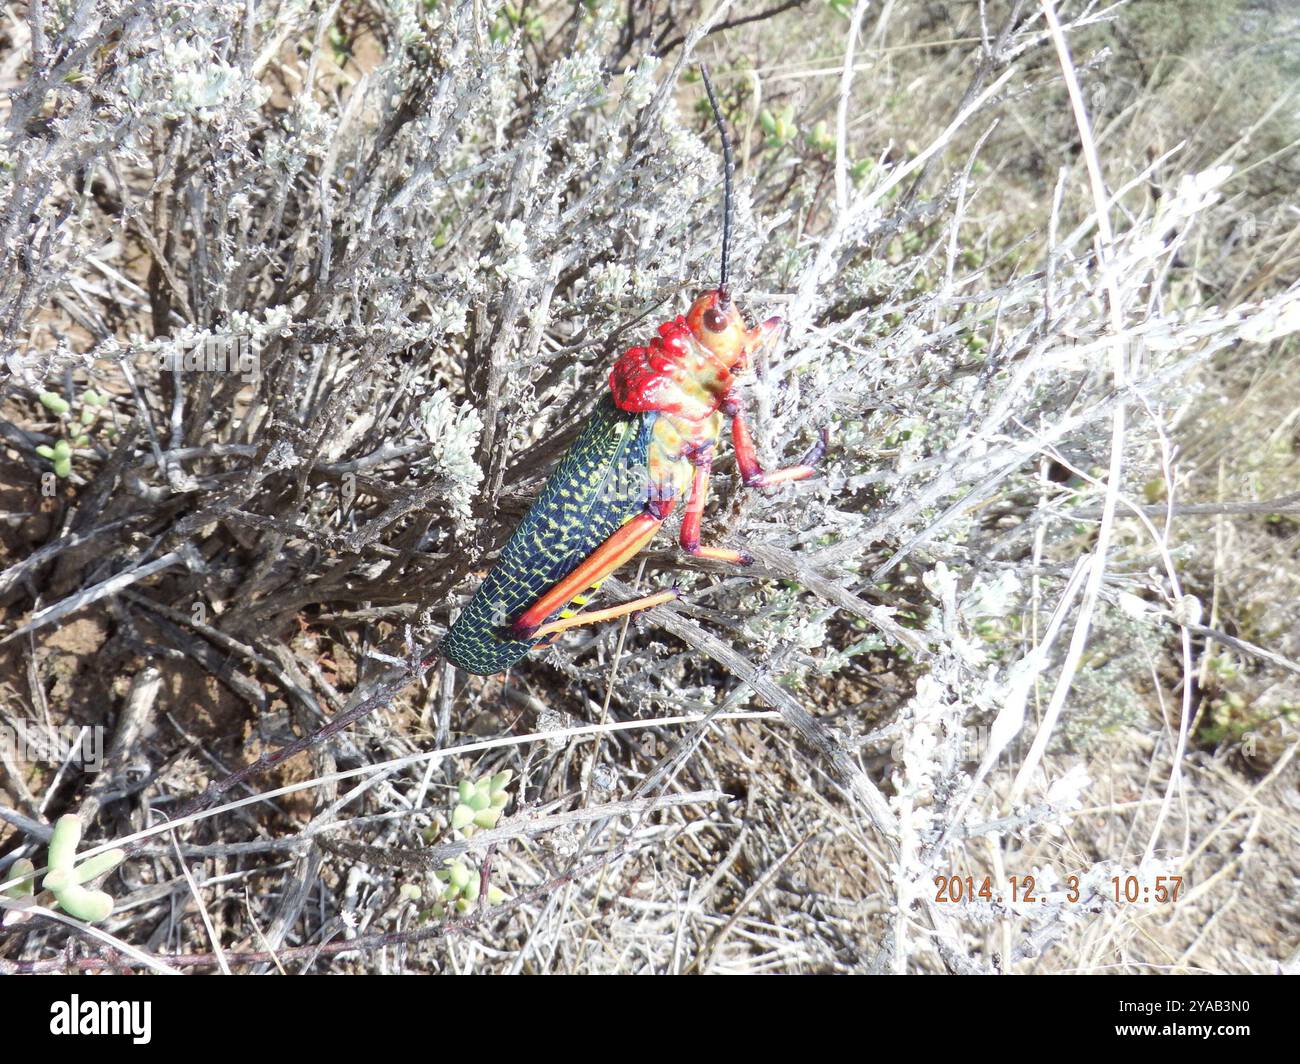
(92, 906)
(23, 871)
(94, 867)
(63, 843)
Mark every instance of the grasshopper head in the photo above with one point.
(715, 322)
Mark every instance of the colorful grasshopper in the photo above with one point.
(649, 443)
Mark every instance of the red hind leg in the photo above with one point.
(610, 613)
(619, 548)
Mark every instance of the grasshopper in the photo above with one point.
(649, 443)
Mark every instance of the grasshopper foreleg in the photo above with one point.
(702, 459)
(751, 472)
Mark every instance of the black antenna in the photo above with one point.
(729, 169)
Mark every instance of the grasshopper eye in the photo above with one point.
(715, 320)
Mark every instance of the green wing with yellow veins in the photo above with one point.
(600, 484)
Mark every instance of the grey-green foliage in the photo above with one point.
(1212, 77)
(434, 266)
(1166, 31)
(1113, 687)
(407, 268)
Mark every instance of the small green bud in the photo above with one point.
(54, 403)
(88, 415)
(502, 779)
(487, 818)
(784, 128)
(460, 816)
(820, 137)
(63, 843)
(464, 790)
(63, 467)
(45, 451)
(62, 449)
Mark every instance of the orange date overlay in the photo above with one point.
(1131, 890)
